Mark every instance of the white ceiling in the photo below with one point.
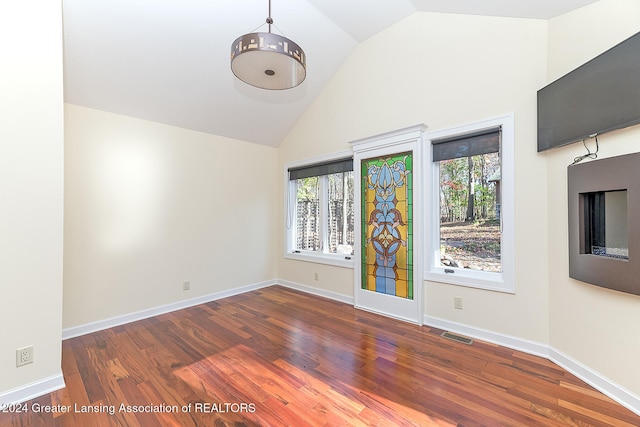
(168, 60)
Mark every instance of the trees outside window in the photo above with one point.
(471, 241)
(320, 212)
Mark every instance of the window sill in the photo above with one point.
(334, 260)
(471, 279)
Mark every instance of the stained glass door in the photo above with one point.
(387, 225)
(387, 274)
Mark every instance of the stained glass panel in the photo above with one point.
(387, 225)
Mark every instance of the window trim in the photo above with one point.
(338, 260)
(505, 280)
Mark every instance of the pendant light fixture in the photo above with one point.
(267, 60)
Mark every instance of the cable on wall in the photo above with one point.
(590, 154)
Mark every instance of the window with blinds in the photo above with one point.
(471, 213)
(320, 209)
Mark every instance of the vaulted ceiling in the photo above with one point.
(167, 61)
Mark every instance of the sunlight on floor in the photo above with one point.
(285, 393)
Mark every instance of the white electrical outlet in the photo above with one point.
(315, 276)
(457, 303)
(186, 286)
(24, 356)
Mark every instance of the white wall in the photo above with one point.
(444, 70)
(146, 205)
(150, 206)
(31, 185)
(595, 326)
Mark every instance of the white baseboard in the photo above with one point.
(591, 377)
(100, 325)
(315, 291)
(32, 390)
(88, 328)
(607, 387)
(515, 343)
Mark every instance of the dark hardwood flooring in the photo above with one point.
(279, 357)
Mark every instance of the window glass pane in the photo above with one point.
(323, 210)
(307, 214)
(470, 232)
(340, 213)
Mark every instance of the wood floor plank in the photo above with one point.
(279, 357)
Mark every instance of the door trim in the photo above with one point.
(403, 140)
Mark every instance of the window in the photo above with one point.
(320, 211)
(471, 212)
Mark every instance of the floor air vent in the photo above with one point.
(457, 338)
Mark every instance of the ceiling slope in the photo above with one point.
(167, 61)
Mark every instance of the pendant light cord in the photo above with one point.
(269, 22)
(269, 19)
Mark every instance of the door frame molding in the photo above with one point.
(398, 141)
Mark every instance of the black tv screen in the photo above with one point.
(599, 96)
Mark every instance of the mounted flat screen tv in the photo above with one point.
(599, 96)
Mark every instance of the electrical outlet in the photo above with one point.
(457, 303)
(186, 286)
(316, 276)
(24, 356)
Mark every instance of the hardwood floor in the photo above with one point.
(276, 357)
